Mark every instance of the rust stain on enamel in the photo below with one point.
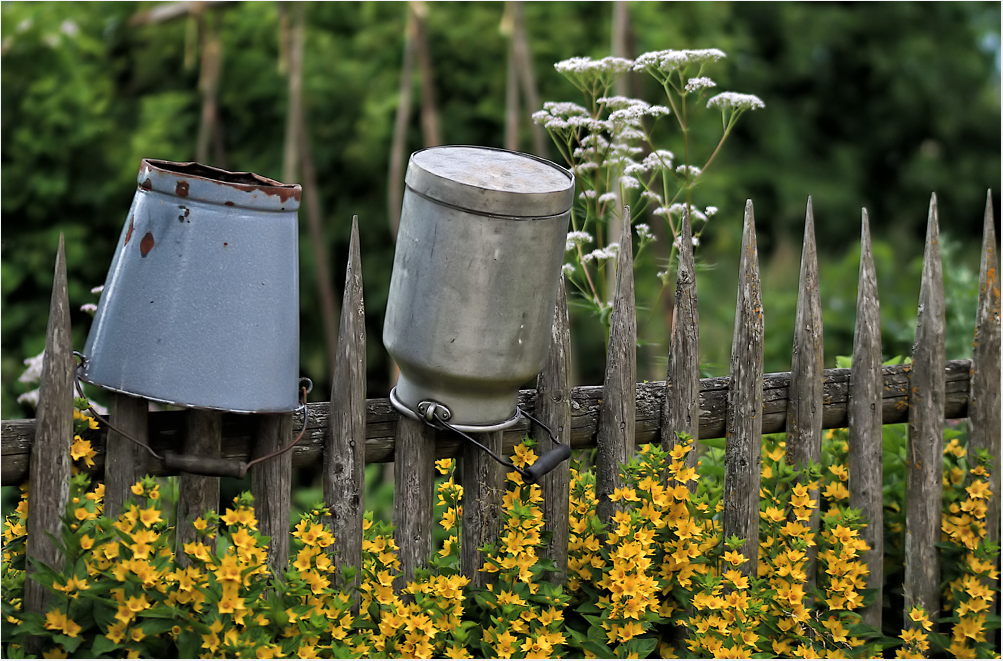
(146, 245)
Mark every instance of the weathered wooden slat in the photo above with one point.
(615, 435)
(924, 489)
(745, 404)
(553, 408)
(414, 484)
(681, 409)
(50, 455)
(345, 456)
(865, 452)
(125, 461)
(804, 404)
(984, 398)
(167, 427)
(271, 485)
(483, 488)
(197, 493)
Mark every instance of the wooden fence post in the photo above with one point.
(804, 406)
(271, 485)
(924, 461)
(984, 397)
(49, 486)
(414, 484)
(345, 445)
(864, 412)
(615, 434)
(197, 493)
(483, 490)
(553, 408)
(744, 420)
(125, 461)
(681, 409)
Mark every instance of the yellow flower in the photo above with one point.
(150, 516)
(734, 558)
(970, 627)
(54, 653)
(56, 620)
(455, 651)
(774, 514)
(918, 615)
(978, 489)
(443, 465)
(836, 628)
(137, 488)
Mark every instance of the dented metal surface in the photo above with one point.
(475, 277)
(203, 309)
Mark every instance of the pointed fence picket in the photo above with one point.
(865, 453)
(924, 474)
(351, 431)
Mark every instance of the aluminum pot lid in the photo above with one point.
(491, 181)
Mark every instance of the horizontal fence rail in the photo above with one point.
(167, 428)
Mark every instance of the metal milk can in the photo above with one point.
(201, 304)
(474, 284)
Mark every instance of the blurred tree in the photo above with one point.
(866, 105)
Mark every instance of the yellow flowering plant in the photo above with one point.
(659, 579)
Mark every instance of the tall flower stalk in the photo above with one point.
(608, 143)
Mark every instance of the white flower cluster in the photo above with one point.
(693, 170)
(726, 100)
(587, 195)
(577, 238)
(644, 232)
(560, 115)
(588, 66)
(652, 197)
(658, 160)
(34, 372)
(679, 241)
(626, 181)
(568, 269)
(679, 208)
(609, 252)
(668, 61)
(697, 84)
(89, 308)
(607, 198)
(631, 111)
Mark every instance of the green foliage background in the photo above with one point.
(874, 105)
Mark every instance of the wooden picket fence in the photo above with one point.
(351, 431)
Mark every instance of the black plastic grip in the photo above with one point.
(546, 463)
(205, 465)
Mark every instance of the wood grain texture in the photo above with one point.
(271, 485)
(615, 434)
(49, 487)
(804, 403)
(681, 409)
(483, 489)
(924, 469)
(125, 462)
(865, 447)
(167, 427)
(345, 452)
(745, 404)
(197, 493)
(553, 408)
(984, 397)
(414, 485)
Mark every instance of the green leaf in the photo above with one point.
(69, 644)
(103, 645)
